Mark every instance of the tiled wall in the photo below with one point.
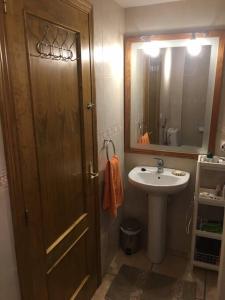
(163, 18)
(180, 15)
(220, 136)
(108, 53)
(9, 287)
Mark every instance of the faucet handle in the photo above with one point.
(160, 161)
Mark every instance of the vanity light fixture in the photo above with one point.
(152, 49)
(194, 47)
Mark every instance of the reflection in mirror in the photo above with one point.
(172, 86)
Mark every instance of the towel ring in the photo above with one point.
(107, 142)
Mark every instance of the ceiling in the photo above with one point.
(133, 3)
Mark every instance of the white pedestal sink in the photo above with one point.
(158, 186)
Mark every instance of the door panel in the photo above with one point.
(52, 84)
(57, 112)
(69, 272)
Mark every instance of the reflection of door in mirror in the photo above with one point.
(146, 73)
(152, 98)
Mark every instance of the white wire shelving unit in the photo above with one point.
(204, 196)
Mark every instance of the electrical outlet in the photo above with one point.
(223, 147)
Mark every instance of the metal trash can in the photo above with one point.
(130, 236)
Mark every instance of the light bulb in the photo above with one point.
(151, 49)
(194, 47)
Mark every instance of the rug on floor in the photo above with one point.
(134, 284)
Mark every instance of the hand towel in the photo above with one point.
(144, 139)
(113, 188)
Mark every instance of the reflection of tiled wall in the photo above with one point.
(220, 137)
(3, 179)
(163, 18)
(108, 53)
(9, 288)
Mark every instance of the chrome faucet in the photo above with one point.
(160, 164)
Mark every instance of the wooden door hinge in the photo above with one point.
(5, 6)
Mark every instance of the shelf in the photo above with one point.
(203, 265)
(217, 201)
(206, 245)
(214, 166)
(212, 202)
(207, 234)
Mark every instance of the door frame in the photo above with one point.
(11, 147)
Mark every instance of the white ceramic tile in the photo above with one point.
(108, 54)
(138, 260)
(200, 276)
(9, 286)
(172, 265)
(176, 266)
(102, 290)
(211, 285)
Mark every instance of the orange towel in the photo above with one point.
(113, 189)
(144, 139)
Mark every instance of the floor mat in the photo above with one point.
(134, 284)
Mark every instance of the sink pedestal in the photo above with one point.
(158, 186)
(157, 211)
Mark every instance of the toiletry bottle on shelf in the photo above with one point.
(218, 190)
(209, 157)
(223, 192)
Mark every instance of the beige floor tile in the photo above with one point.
(200, 275)
(172, 265)
(138, 260)
(175, 266)
(211, 285)
(102, 290)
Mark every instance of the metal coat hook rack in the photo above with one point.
(56, 49)
(106, 143)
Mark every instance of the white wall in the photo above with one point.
(9, 286)
(173, 17)
(176, 16)
(108, 51)
(108, 42)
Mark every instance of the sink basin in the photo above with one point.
(152, 181)
(158, 186)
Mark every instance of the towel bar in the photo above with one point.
(106, 143)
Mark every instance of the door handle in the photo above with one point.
(90, 106)
(92, 174)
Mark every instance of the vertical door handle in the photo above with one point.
(90, 106)
(92, 174)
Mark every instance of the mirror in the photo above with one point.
(170, 93)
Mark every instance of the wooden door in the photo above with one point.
(53, 153)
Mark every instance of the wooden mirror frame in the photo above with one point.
(216, 98)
